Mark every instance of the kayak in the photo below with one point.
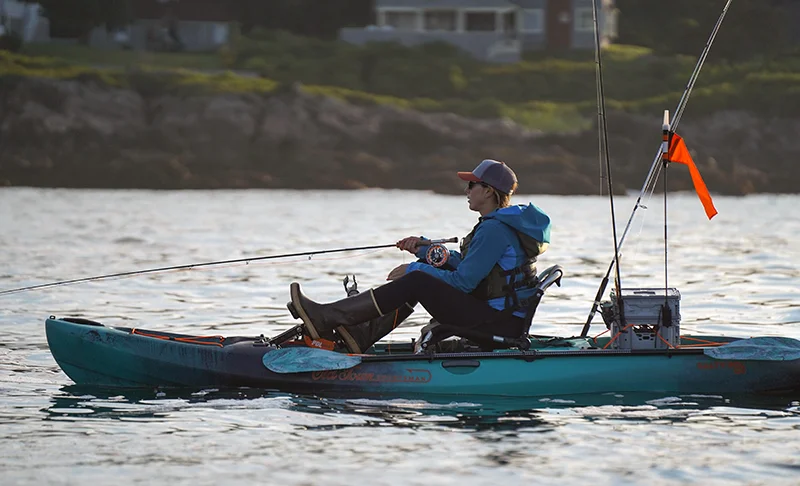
(643, 352)
(93, 354)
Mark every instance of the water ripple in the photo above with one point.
(737, 275)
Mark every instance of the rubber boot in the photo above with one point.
(321, 319)
(360, 337)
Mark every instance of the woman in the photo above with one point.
(474, 293)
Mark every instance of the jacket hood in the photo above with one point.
(529, 220)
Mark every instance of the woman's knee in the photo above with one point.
(414, 285)
(418, 276)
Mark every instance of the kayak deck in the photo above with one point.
(551, 345)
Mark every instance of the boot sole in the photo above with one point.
(297, 311)
(348, 339)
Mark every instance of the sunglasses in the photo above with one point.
(472, 184)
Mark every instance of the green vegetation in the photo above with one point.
(752, 28)
(147, 80)
(544, 92)
(21, 66)
(87, 56)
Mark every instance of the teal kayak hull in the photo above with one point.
(92, 354)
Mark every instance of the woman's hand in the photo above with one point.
(410, 244)
(397, 272)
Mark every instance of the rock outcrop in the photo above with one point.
(80, 134)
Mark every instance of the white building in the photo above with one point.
(24, 19)
(493, 30)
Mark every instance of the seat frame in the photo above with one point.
(545, 280)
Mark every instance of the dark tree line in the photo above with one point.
(751, 27)
(312, 18)
(76, 18)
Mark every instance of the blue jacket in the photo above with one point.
(494, 242)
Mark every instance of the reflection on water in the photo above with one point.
(737, 276)
(460, 412)
(470, 438)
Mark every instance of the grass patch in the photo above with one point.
(192, 82)
(18, 65)
(149, 81)
(88, 56)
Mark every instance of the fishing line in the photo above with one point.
(182, 267)
(639, 227)
(207, 264)
(655, 168)
(330, 259)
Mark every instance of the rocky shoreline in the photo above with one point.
(80, 134)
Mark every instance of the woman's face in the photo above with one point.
(480, 197)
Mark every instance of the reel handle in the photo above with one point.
(439, 242)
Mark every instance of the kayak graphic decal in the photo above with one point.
(411, 375)
(738, 367)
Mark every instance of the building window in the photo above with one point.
(510, 23)
(480, 21)
(583, 20)
(440, 20)
(401, 20)
(533, 21)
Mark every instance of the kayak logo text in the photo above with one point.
(412, 375)
(737, 366)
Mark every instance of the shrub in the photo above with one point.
(11, 41)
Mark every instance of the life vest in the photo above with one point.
(505, 283)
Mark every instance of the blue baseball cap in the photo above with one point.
(492, 172)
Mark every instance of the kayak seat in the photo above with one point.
(488, 341)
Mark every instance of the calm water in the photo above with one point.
(738, 275)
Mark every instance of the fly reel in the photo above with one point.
(437, 255)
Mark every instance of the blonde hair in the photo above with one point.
(504, 199)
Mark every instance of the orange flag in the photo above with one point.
(680, 154)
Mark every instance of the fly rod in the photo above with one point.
(208, 264)
(602, 140)
(655, 168)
